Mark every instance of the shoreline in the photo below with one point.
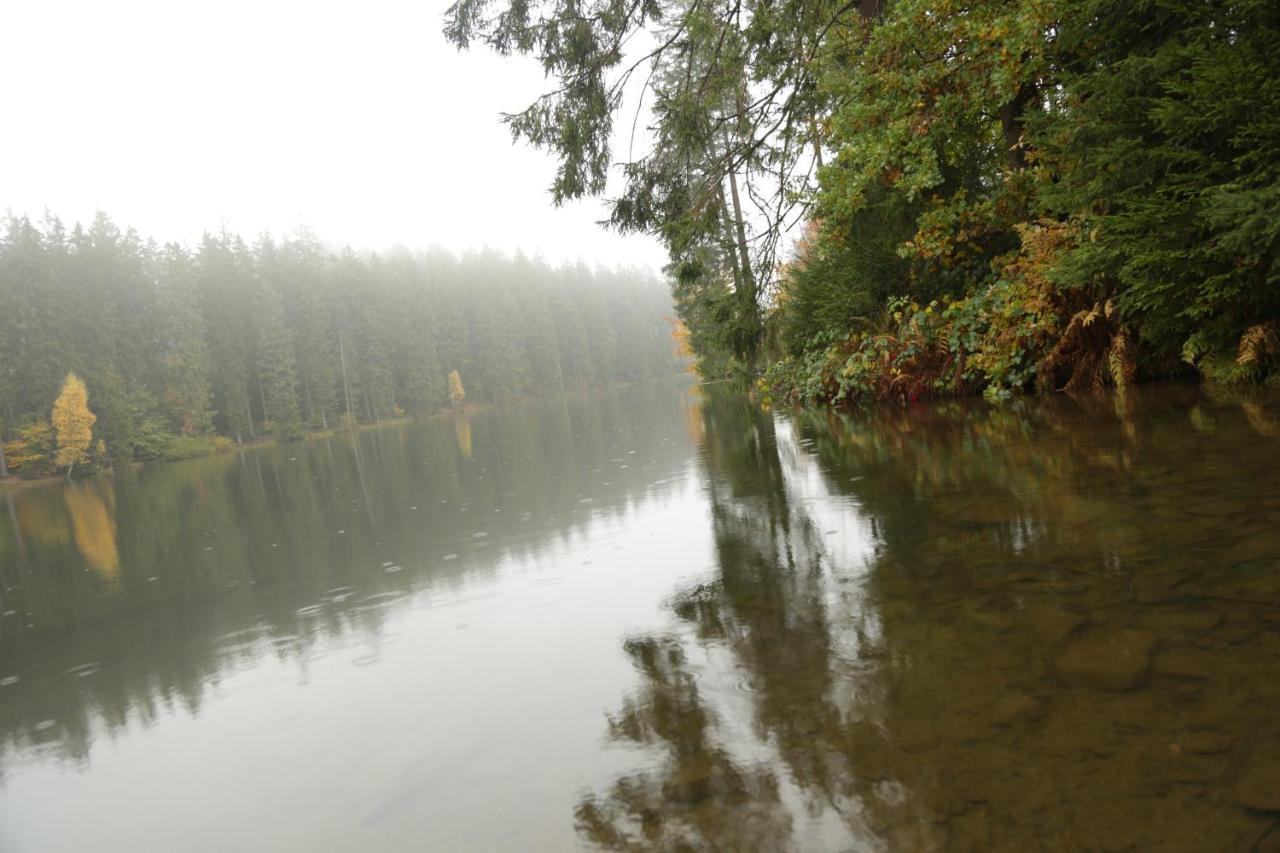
(14, 483)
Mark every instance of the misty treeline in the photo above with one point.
(184, 350)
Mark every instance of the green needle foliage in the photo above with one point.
(182, 353)
(1009, 194)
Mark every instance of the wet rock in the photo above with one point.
(1014, 708)
(1270, 840)
(1252, 548)
(1193, 621)
(1238, 632)
(1205, 743)
(1195, 769)
(1115, 660)
(1052, 624)
(1258, 786)
(915, 735)
(1187, 663)
(969, 831)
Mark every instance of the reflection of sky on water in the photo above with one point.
(656, 618)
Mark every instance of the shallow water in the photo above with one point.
(662, 618)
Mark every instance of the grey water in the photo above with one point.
(661, 617)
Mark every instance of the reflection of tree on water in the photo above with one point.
(917, 699)
(1011, 534)
(145, 588)
(94, 529)
(776, 604)
(699, 798)
(462, 431)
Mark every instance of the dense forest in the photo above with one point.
(994, 195)
(114, 349)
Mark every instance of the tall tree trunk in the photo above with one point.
(306, 390)
(248, 413)
(744, 256)
(730, 242)
(1012, 123)
(748, 296)
(346, 387)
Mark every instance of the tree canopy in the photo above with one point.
(278, 337)
(999, 194)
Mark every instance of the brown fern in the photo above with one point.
(1256, 344)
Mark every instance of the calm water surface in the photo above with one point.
(661, 618)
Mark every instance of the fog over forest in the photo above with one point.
(179, 349)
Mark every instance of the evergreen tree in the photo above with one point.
(225, 285)
(185, 351)
(277, 374)
(179, 348)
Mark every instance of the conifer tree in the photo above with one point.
(178, 347)
(277, 374)
(185, 351)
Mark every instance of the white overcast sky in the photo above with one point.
(354, 119)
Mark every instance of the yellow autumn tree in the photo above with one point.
(72, 423)
(456, 392)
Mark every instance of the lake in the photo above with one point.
(661, 617)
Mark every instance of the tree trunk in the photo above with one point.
(748, 296)
(306, 390)
(744, 257)
(1011, 126)
(817, 146)
(346, 387)
(248, 413)
(730, 243)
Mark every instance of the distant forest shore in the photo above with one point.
(187, 353)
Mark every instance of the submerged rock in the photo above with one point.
(1016, 708)
(1052, 623)
(1187, 663)
(1258, 786)
(1205, 743)
(1201, 620)
(1116, 660)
